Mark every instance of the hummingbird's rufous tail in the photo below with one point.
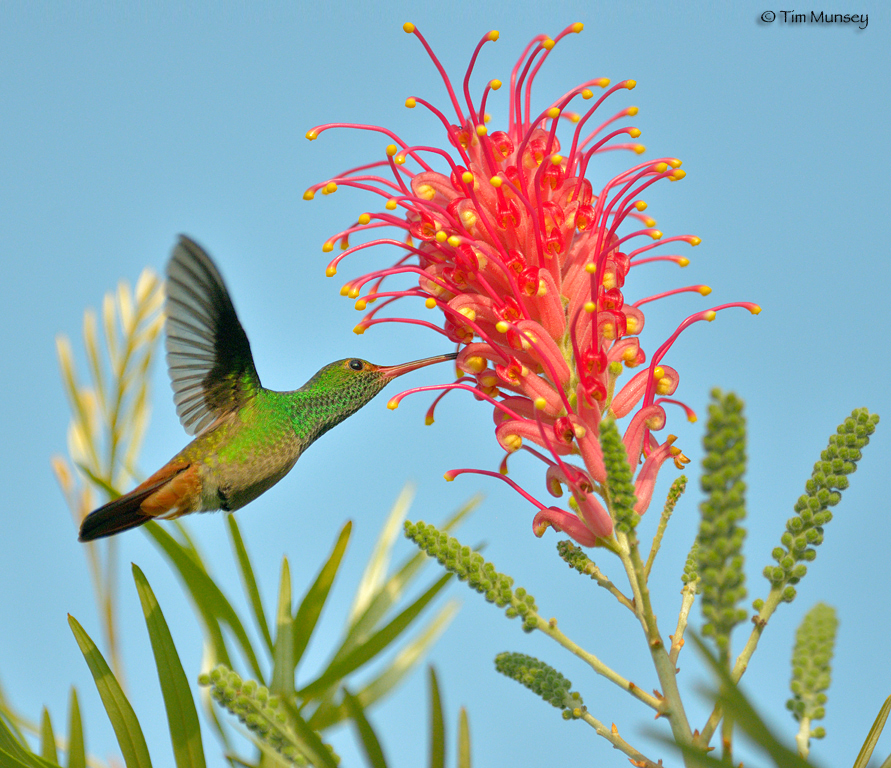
(170, 492)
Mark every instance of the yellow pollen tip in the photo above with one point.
(755, 310)
(590, 306)
(639, 149)
(540, 403)
(328, 247)
(393, 404)
(359, 329)
(659, 372)
(408, 27)
(650, 222)
(683, 262)
(441, 236)
(578, 27)
(602, 82)
(364, 218)
(392, 149)
(694, 241)
(330, 271)
(467, 177)
(640, 205)
(631, 111)
(428, 420)
(353, 292)
(587, 93)
(494, 84)
(391, 204)
(449, 477)
(487, 118)
(656, 234)
(493, 35)
(330, 188)
(411, 103)
(361, 304)
(678, 175)
(634, 133)
(495, 181)
(344, 289)
(556, 159)
(630, 84)
(590, 267)
(704, 290)
(548, 44)
(312, 135)
(710, 315)
(345, 244)
(660, 167)
(553, 112)
(481, 130)
(454, 241)
(574, 117)
(501, 326)
(675, 163)
(430, 303)
(309, 195)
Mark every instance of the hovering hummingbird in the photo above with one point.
(247, 437)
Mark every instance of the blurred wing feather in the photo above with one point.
(208, 353)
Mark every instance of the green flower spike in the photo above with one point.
(814, 646)
(542, 679)
(823, 490)
(479, 574)
(619, 478)
(720, 539)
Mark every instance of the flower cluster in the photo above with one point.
(527, 264)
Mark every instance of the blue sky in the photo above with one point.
(124, 126)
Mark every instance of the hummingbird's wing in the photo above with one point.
(208, 353)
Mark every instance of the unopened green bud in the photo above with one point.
(619, 479)
(811, 665)
(542, 679)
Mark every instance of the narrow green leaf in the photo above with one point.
(463, 739)
(316, 751)
(329, 714)
(47, 738)
(370, 743)
(247, 578)
(103, 485)
(207, 597)
(872, 738)
(437, 723)
(15, 760)
(182, 717)
(77, 754)
(340, 668)
(314, 600)
(12, 749)
(283, 653)
(120, 713)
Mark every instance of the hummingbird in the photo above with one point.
(247, 437)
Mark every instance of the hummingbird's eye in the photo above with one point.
(357, 365)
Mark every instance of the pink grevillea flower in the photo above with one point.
(502, 231)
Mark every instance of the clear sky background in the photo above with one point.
(122, 127)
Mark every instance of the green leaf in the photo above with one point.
(47, 738)
(316, 751)
(16, 760)
(370, 743)
(13, 753)
(340, 668)
(182, 717)
(283, 653)
(406, 660)
(103, 485)
(872, 737)
(437, 723)
(463, 739)
(120, 713)
(314, 600)
(246, 571)
(77, 755)
(207, 597)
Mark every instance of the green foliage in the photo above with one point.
(619, 478)
(471, 567)
(811, 657)
(804, 531)
(543, 680)
(719, 555)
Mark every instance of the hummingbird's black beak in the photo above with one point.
(392, 371)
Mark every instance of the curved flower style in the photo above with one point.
(527, 265)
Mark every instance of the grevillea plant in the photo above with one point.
(502, 230)
(528, 261)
